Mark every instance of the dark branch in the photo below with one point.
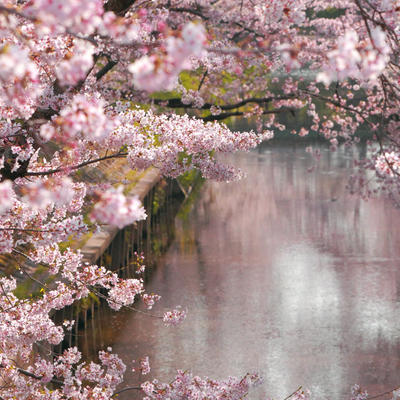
(203, 79)
(108, 67)
(75, 167)
(177, 102)
(31, 375)
(222, 116)
(119, 7)
(126, 389)
(189, 11)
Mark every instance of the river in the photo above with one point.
(284, 273)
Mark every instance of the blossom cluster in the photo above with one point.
(388, 164)
(175, 144)
(190, 387)
(57, 16)
(365, 61)
(75, 66)
(19, 80)
(114, 208)
(158, 72)
(83, 117)
(174, 317)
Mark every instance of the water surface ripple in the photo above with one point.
(284, 273)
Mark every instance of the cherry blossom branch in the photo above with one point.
(219, 117)
(33, 19)
(5, 293)
(120, 7)
(292, 394)
(108, 67)
(202, 80)
(13, 228)
(383, 394)
(364, 17)
(13, 11)
(177, 102)
(197, 12)
(192, 11)
(31, 375)
(75, 167)
(104, 297)
(93, 289)
(381, 23)
(338, 104)
(23, 269)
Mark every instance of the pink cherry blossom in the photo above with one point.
(123, 293)
(145, 366)
(80, 85)
(74, 67)
(55, 16)
(174, 317)
(115, 209)
(161, 72)
(7, 196)
(388, 164)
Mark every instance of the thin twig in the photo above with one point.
(292, 394)
(382, 394)
(202, 80)
(126, 389)
(5, 293)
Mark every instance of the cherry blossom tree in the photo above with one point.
(82, 82)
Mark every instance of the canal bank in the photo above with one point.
(98, 243)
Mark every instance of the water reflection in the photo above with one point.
(283, 273)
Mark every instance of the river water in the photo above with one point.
(284, 273)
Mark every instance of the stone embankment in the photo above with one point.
(98, 243)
